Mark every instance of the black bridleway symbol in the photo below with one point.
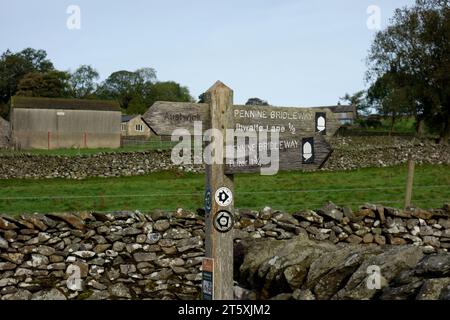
(207, 201)
(223, 221)
(223, 196)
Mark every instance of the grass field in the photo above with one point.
(152, 144)
(288, 191)
(407, 125)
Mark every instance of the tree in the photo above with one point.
(159, 91)
(14, 66)
(82, 81)
(169, 91)
(391, 96)
(146, 75)
(256, 102)
(52, 84)
(120, 85)
(416, 46)
(202, 98)
(137, 91)
(36, 59)
(125, 85)
(358, 100)
(137, 105)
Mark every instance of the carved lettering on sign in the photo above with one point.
(179, 117)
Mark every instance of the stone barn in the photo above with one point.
(48, 123)
(5, 133)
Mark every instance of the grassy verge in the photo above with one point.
(288, 191)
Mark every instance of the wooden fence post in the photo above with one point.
(409, 182)
(219, 243)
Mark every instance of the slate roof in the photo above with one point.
(128, 117)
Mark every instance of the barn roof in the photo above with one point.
(66, 104)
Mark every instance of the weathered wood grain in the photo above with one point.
(219, 246)
(286, 120)
(290, 158)
(292, 124)
(164, 117)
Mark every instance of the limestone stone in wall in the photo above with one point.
(157, 255)
(113, 256)
(371, 224)
(304, 269)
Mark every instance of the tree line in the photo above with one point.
(409, 68)
(30, 73)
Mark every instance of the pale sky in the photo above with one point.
(291, 53)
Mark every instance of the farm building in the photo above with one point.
(47, 123)
(345, 114)
(134, 126)
(4, 133)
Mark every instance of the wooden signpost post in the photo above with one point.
(302, 145)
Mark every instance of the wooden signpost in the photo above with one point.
(302, 145)
(292, 123)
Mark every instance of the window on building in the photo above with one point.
(123, 126)
(139, 128)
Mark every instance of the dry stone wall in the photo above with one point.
(304, 269)
(122, 255)
(349, 153)
(85, 166)
(131, 255)
(362, 152)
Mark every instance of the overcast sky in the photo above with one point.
(292, 53)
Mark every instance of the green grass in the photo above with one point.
(401, 125)
(168, 190)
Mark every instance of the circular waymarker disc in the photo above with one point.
(223, 221)
(207, 202)
(223, 196)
